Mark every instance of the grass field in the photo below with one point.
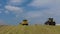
(32, 29)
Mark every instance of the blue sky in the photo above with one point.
(12, 12)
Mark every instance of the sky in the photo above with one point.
(12, 12)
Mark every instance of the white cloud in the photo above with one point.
(33, 14)
(7, 12)
(14, 9)
(38, 3)
(17, 2)
(54, 8)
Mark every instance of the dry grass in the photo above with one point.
(33, 29)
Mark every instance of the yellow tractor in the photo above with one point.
(24, 22)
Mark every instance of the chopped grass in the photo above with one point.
(31, 29)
